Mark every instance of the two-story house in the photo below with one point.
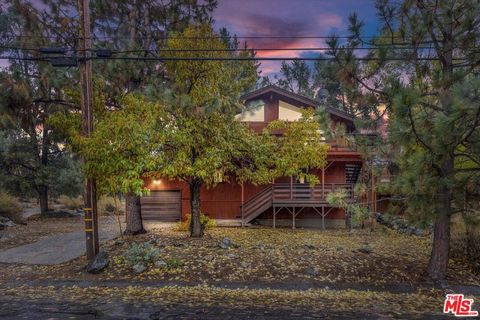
(286, 201)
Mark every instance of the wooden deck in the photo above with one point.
(293, 197)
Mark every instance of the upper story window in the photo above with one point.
(256, 114)
(288, 112)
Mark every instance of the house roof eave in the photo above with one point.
(295, 96)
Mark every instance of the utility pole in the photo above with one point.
(85, 44)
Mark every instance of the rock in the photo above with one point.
(160, 264)
(418, 232)
(226, 243)
(379, 218)
(99, 263)
(139, 268)
(308, 246)
(119, 242)
(339, 248)
(244, 265)
(6, 223)
(311, 271)
(365, 249)
(232, 256)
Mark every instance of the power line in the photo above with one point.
(229, 49)
(218, 37)
(213, 37)
(228, 58)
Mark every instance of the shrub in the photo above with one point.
(10, 207)
(358, 213)
(184, 225)
(141, 253)
(71, 203)
(107, 206)
(173, 263)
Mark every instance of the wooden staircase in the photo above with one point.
(258, 204)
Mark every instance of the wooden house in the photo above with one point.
(284, 202)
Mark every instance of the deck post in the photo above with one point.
(293, 222)
(291, 188)
(243, 218)
(323, 217)
(274, 214)
(323, 183)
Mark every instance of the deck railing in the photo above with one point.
(304, 192)
(294, 194)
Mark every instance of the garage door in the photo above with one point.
(161, 206)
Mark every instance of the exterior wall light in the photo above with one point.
(157, 182)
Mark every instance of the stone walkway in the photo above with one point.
(55, 250)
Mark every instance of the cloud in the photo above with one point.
(328, 21)
(284, 18)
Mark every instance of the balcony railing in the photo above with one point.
(299, 192)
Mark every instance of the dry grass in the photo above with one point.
(465, 240)
(10, 207)
(71, 203)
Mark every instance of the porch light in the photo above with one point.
(157, 182)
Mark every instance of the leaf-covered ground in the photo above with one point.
(315, 303)
(270, 256)
(309, 270)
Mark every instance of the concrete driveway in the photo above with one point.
(56, 249)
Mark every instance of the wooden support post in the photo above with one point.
(293, 215)
(274, 214)
(291, 187)
(323, 217)
(243, 202)
(323, 183)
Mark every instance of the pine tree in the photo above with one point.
(30, 92)
(426, 77)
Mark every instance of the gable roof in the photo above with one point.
(295, 96)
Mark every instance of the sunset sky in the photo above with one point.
(287, 18)
(291, 18)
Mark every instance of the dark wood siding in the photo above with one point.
(161, 206)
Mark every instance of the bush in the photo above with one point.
(184, 225)
(107, 205)
(358, 213)
(141, 253)
(71, 202)
(173, 263)
(10, 207)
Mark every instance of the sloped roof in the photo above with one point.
(295, 96)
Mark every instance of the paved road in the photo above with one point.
(56, 249)
(117, 309)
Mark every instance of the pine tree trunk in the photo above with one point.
(196, 228)
(437, 266)
(43, 199)
(134, 216)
